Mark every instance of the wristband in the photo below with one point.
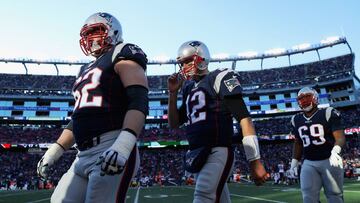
(251, 147)
(125, 143)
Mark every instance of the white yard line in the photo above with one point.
(352, 191)
(249, 197)
(136, 200)
(40, 200)
(17, 193)
(256, 198)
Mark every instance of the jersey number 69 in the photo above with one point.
(316, 131)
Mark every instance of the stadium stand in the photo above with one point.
(292, 76)
(20, 136)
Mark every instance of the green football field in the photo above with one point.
(183, 194)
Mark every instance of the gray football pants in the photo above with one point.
(83, 183)
(211, 184)
(317, 174)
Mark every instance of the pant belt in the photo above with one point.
(87, 144)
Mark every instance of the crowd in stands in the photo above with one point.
(36, 82)
(292, 76)
(158, 166)
(28, 135)
(265, 127)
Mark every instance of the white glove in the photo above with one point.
(294, 166)
(335, 158)
(113, 160)
(54, 152)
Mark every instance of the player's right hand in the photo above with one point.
(111, 162)
(258, 172)
(294, 166)
(335, 158)
(174, 82)
(54, 152)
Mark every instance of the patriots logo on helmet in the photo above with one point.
(106, 16)
(195, 44)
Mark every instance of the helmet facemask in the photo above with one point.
(94, 39)
(99, 33)
(191, 66)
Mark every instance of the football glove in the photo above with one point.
(294, 166)
(335, 158)
(113, 160)
(54, 152)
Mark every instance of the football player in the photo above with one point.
(319, 136)
(111, 96)
(209, 102)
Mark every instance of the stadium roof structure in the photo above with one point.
(274, 53)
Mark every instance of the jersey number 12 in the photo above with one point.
(194, 107)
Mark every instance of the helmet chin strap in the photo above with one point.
(309, 110)
(97, 50)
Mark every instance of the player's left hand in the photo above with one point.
(294, 166)
(258, 172)
(335, 158)
(54, 152)
(111, 162)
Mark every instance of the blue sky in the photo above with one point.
(50, 29)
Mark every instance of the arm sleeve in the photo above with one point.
(69, 126)
(237, 106)
(138, 98)
(335, 121)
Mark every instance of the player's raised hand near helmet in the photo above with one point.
(175, 82)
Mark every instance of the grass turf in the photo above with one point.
(183, 194)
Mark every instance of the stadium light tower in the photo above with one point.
(220, 56)
(301, 47)
(248, 54)
(275, 52)
(161, 59)
(330, 40)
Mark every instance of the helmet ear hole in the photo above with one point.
(199, 62)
